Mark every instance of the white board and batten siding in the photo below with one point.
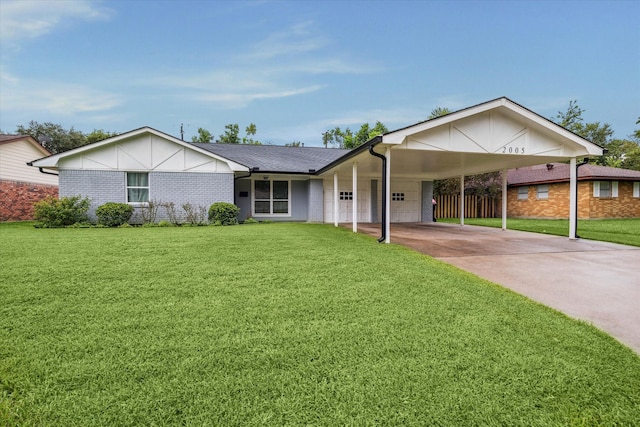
(345, 206)
(146, 152)
(405, 201)
(14, 156)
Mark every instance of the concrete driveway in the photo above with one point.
(593, 281)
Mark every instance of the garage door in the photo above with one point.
(405, 201)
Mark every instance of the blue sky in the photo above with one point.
(298, 68)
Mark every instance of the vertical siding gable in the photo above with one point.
(145, 152)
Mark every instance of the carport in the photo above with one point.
(494, 136)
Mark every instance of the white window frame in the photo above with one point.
(271, 199)
(523, 192)
(127, 187)
(613, 189)
(542, 195)
(636, 189)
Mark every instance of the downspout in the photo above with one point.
(584, 162)
(384, 191)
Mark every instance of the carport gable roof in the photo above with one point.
(276, 158)
(495, 135)
(559, 172)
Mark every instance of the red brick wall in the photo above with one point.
(557, 205)
(17, 199)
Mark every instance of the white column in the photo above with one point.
(336, 210)
(461, 199)
(573, 205)
(504, 199)
(388, 198)
(354, 202)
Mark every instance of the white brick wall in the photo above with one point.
(198, 189)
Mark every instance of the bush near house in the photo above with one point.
(114, 214)
(223, 213)
(54, 213)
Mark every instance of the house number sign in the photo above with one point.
(512, 150)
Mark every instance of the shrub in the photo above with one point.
(172, 213)
(149, 212)
(223, 212)
(114, 214)
(52, 212)
(250, 221)
(195, 215)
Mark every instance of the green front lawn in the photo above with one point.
(623, 231)
(284, 324)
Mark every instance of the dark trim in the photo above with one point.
(370, 143)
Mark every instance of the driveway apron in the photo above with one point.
(597, 282)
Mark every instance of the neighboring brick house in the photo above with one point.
(20, 185)
(543, 192)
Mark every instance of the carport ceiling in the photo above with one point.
(496, 135)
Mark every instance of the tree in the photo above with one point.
(97, 135)
(230, 135)
(232, 132)
(595, 132)
(250, 131)
(53, 136)
(203, 136)
(347, 139)
(438, 112)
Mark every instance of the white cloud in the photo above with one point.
(238, 100)
(290, 63)
(53, 97)
(28, 19)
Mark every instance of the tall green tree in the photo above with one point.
(53, 136)
(97, 135)
(250, 131)
(230, 135)
(347, 139)
(595, 132)
(203, 136)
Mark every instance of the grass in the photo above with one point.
(284, 324)
(623, 231)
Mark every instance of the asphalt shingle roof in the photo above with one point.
(276, 158)
(559, 172)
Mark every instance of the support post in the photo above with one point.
(461, 199)
(504, 199)
(354, 202)
(573, 202)
(336, 210)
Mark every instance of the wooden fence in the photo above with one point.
(474, 206)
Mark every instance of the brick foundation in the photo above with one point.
(17, 199)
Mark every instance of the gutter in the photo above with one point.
(383, 224)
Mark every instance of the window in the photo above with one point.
(271, 197)
(137, 187)
(523, 193)
(543, 191)
(605, 189)
(346, 195)
(397, 197)
(636, 189)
